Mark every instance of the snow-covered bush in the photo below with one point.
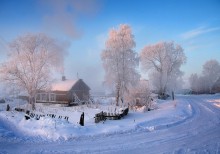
(140, 96)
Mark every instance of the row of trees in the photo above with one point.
(162, 61)
(209, 81)
(33, 57)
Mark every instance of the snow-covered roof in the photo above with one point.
(65, 85)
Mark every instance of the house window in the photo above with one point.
(52, 97)
(38, 97)
(44, 97)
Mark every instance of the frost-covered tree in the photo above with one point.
(211, 70)
(31, 59)
(194, 82)
(163, 60)
(120, 60)
(175, 83)
(203, 85)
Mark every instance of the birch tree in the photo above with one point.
(211, 70)
(120, 60)
(164, 60)
(30, 62)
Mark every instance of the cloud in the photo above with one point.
(61, 16)
(198, 31)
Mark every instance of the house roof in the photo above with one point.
(63, 85)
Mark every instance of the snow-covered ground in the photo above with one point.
(190, 124)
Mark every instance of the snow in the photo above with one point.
(65, 85)
(190, 124)
(55, 128)
(216, 102)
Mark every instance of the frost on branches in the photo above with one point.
(208, 80)
(211, 70)
(163, 60)
(31, 59)
(140, 95)
(120, 61)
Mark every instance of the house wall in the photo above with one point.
(81, 90)
(62, 96)
(52, 97)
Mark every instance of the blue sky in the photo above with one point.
(195, 25)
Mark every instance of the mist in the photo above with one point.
(60, 20)
(61, 17)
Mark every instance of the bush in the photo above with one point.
(2, 100)
(140, 95)
(163, 96)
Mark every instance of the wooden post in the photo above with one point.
(81, 122)
(172, 95)
(8, 107)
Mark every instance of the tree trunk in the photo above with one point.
(33, 106)
(32, 101)
(117, 94)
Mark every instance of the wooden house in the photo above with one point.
(68, 92)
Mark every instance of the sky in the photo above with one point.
(84, 26)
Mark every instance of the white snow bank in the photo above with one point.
(169, 114)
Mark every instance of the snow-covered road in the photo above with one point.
(200, 133)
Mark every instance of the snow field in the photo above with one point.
(46, 128)
(189, 125)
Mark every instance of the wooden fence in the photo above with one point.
(102, 116)
(29, 115)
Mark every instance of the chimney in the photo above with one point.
(63, 78)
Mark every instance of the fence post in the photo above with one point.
(81, 122)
